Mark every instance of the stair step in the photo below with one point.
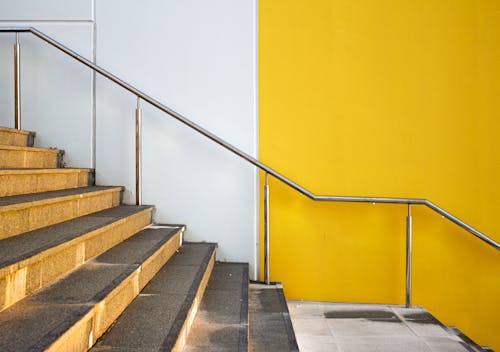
(221, 322)
(23, 213)
(471, 345)
(14, 137)
(34, 260)
(25, 181)
(160, 317)
(270, 324)
(28, 157)
(73, 312)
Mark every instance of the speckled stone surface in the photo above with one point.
(270, 326)
(91, 296)
(14, 137)
(25, 181)
(221, 323)
(28, 157)
(153, 320)
(21, 247)
(23, 213)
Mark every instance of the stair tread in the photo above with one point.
(270, 324)
(38, 320)
(221, 322)
(21, 247)
(33, 197)
(155, 318)
(472, 346)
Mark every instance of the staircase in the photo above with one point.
(79, 270)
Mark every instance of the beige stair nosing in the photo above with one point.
(14, 130)
(16, 171)
(30, 149)
(46, 201)
(181, 340)
(9, 269)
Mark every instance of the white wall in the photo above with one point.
(195, 56)
(56, 93)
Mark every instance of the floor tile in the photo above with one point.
(311, 326)
(317, 343)
(362, 327)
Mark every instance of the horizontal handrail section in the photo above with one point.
(242, 154)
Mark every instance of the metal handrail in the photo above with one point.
(253, 161)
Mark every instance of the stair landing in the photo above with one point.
(335, 327)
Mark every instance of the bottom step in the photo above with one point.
(472, 346)
(160, 317)
(270, 325)
(221, 323)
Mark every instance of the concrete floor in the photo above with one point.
(341, 327)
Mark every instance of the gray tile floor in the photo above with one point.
(342, 327)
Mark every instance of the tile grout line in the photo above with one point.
(403, 320)
(321, 316)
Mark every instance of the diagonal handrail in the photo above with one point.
(242, 154)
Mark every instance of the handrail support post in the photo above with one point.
(138, 153)
(17, 83)
(409, 243)
(267, 278)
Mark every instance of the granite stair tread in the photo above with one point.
(156, 319)
(221, 323)
(39, 321)
(270, 326)
(22, 247)
(45, 196)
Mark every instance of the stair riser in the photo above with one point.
(87, 330)
(14, 138)
(24, 278)
(15, 184)
(183, 335)
(29, 159)
(20, 218)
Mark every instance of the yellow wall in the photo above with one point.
(385, 98)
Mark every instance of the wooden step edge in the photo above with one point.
(86, 331)
(81, 249)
